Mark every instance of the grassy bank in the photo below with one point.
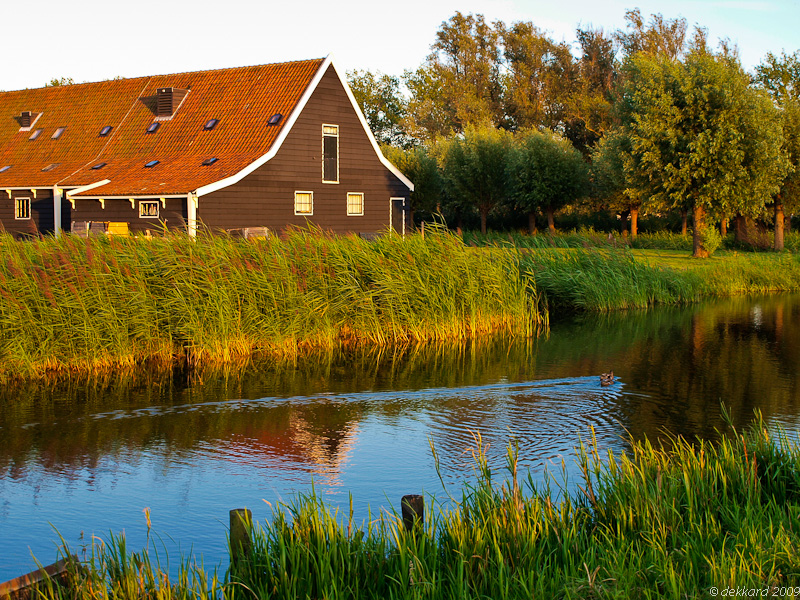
(655, 522)
(603, 279)
(85, 305)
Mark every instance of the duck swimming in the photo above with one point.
(607, 378)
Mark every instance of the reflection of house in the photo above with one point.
(271, 145)
(300, 445)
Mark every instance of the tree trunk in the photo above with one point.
(532, 222)
(634, 222)
(723, 227)
(484, 214)
(684, 220)
(739, 227)
(778, 224)
(699, 218)
(787, 224)
(551, 223)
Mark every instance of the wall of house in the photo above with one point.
(41, 214)
(173, 215)
(266, 196)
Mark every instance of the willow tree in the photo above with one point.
(701, 136)
(546, 173)
(474, 169)
(421, 167)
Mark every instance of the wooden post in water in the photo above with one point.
(241, 543)
(413, 509)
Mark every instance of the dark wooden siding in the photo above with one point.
(266, 196)
(173, 215)
(41, 220)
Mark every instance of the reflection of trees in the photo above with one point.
(677, 366)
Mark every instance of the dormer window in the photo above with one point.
(153, 127)
(168, 100)
(210, 124)
(35, 134)
(106, 130)
(25, 118)
(57, 134)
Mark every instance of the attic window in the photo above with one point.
(25, 118)
(106, 130)
(210, 124)
(153, 127)
(210, 161)
(35, 134)
(6, 168)
(152, 163)
(275, 119)
(57, 133)
(51, 167)
(98, 166)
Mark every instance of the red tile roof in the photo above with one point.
(243, 99)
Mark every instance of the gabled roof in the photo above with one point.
(243, 99)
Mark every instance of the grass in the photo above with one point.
(81, 306)
(670, 521)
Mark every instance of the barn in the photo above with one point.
(228, 150)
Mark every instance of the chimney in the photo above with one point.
(169, 99)
(25, 118)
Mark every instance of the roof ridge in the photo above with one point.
(72, 85)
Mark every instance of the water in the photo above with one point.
(84, 460)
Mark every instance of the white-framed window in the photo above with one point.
(330, 153)
(148, 209)
(304, 203)
(22, 208)
(355, 204)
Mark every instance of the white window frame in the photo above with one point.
(324, 135)
(304, 214)
(17, 205)
(143, 203)
(355, 214)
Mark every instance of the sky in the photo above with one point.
(92, 40)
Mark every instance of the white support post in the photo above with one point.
(57, 196)
(191, 213)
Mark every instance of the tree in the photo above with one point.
(57, 81)
(613, 175)
(383, 105)
(539, 80)
(665, 38)
(421, 167)
(546, 172)
(460, 79)
(780, 78)
(592, 94)
(474, 168)
(701, 135)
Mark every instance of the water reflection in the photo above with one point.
(92, 456)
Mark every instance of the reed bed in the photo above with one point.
(679, 520)
(77, 305)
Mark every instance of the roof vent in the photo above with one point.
(25, 118)
(169, 99)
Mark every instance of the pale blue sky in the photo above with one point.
(91, 40)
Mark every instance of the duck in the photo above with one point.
(607, 378)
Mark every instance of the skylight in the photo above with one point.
(210, 161)
(106, 130)
(152, 163)
(51, 167)
(35, 134)
(4, 169)
(153, 127)
(275, 119)
(210, 124)
(98, 166)
(57, 133)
